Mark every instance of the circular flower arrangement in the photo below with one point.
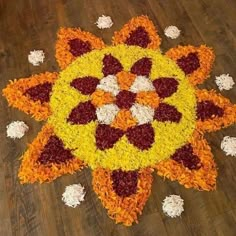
(124, 110)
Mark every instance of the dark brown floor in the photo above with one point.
(37, 209)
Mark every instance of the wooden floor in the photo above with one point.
(37, 209)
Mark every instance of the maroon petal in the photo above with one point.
(86, 85)
(138, 37)
(125, 99)
(185, 156)
(107, 136)
(142, 67)
(83, 113)
(207, 110)
(166, 112)
(141, 136)
(124, 183)
(111, 65)
(40, 92)
(189, 63)
(54, 152)
(79, 47)
(165, 87)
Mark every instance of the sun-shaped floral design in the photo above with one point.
(123, 110)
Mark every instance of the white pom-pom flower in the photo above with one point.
(172, 32)
(228, 145)
(16, 129)
(224, 81)
(173, 206)
(104, 22)
(73, 195)
(36, 57)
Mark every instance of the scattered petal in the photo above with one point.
(173, 206)
(172, 32)
(73, 195)
(16, 129)
(36, 57)
(104, 22)
(224, 82)
(228, 145)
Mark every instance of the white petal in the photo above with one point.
(104, 22)
(16, 129)
(172, 32)
(173, 206)
(36, 57)
(224, 81)
(143, 114)
(107, 113)
(142, 83)
(109, 84)
(228, 145)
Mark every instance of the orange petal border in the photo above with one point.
(201, 179)
(122, 209)
(206, 58)
(31, 171)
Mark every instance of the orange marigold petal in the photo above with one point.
(124, 120)
(63, 55)
(32, 171)
(14, 93)
(122, 209)
(100, 97)
(216, 123)
(148, 98)
(125, 79)
(206, 58)
(121, 36)
(201, 179)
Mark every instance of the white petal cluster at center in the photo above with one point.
(142, 83)
(143, 114)
(107, 113)
(109, 84)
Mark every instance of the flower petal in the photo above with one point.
(84, 113)
(123, 209)
(32, 94)
(107, 136)
(139, 31)
(143, 114)
(166, 112)
(72, 43)
(140, 84)
(111, 65)
(107, 113)
(47, 159)
(165, 86)
(142, 67)
(109, 84)
(141, 136)
(196, 62)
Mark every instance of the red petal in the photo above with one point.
(83, 113)
(111, 65)
(142, 67)
(79, 47)
(141, 136)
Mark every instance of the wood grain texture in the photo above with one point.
(37, 210)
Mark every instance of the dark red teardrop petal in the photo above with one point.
(189, 63)
(124, 183)
(86, 85)
(142, 67)
(207, 110)
(185, 156)
(78, 47)
(111, 65)
(107, 136)
(138, 37)
(83, 113)
(54, 152)
(141, 136)
(166, 112)
(125, 99)
(40, 92)
(165, 86)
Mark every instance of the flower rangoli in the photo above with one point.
(125, 111)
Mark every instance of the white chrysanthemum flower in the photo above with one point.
(224, 81)
(228, 145)
(144, 114)
(107, 113)
(173, 206)
(172, 32)
(109, 84)
(36, 57)
(73, 195)
(104, 22)
(141, 83)
(16, 129)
